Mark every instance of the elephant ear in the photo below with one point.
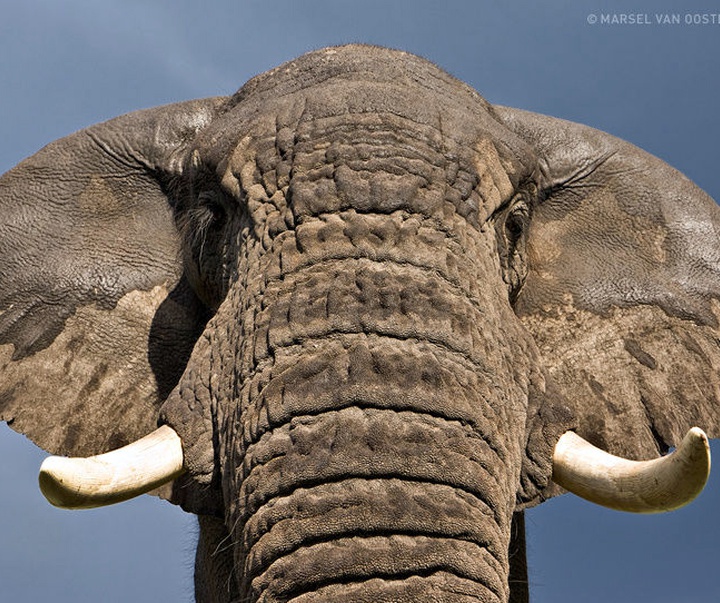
(96, 319)
(622, 287)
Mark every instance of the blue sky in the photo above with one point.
(67, 65)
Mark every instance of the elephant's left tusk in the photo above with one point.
(97, 481)
(654, 486)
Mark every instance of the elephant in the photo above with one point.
(357, 319)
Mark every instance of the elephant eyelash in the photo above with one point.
(511, 225)
(516, 223)
(205, 218)
(208, 213)
(511, 220)
(213, 207)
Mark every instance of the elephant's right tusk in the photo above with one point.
(652, 486)
(97, 481)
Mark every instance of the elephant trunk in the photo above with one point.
(372, 402)
(377, 445)
(358, 511)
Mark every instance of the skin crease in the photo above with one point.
(389, 307)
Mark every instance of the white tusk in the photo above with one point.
(96, 481)
(654, 486)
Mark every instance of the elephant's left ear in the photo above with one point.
(96, 321)
(622, 287)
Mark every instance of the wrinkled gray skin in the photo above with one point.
(370, 303)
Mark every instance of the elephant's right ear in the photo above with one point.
(96, 319)
(622, 287)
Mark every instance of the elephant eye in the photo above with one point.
(515, 224)
(511, 229)
(211, 210)
(202, 225)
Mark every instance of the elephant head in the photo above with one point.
(373, 315)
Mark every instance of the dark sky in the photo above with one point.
(66, 65)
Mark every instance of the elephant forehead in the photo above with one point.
(369, 146)
(444, 117)
(377, 162)
(376, 120)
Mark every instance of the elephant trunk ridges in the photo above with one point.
(368, 466)
(365, 445)
(377, 354)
